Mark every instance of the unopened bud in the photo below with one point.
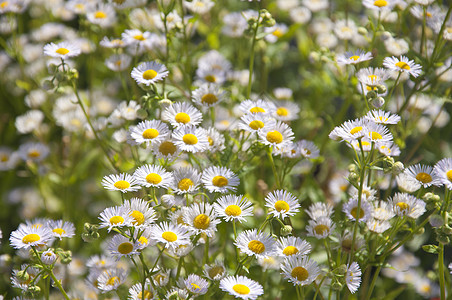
(352, 168)
(286, 230)
(142, 114)
(362, 31)
(23, 275)
(436, 221)
(164, 103)
(378, 102)
(371, 95)
(342, 270)
(398, 167)
(430, 249)
(442, 238)
(353, 177)
(381, 89)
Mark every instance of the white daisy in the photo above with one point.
(282, 204)
(241, 287)
(279, 136)
(118, 62)
(120, 246)
(216, 140)
(112, 43)
(219, 180)
(186, 180)
(257, 107)
(300, 270)
(255, 122)
(35, 152)
(259, 244)
(182, 113)
(215, 271)
(307, 148)
(48, 257)
(149, 132)
(351, 210)
(63, 50)
(208, 95)
(196, 285)
(286, 111)
(8, 159)
(380, 5)
(443, 169)
(201, 218)
(61, 229)
(320, 228)
(166, 149)
(349, 130)
(407, 205)
(353, 57)
(377, 133)
(103, 15)
(292, 246)
(191, 139)
(402, 65)
(233, 208)
(26, 237)
(382, 117)
(136, 291)
(141, 212)
(170, 235)
(372, 77)
(111, 279)
(319, 209)
(149, 73)
(423, 174)
(153, 176)
(120, 182)
(353, 275)
(115, 217)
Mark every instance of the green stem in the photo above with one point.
(251, 65)
(275, 174)
(441, 271)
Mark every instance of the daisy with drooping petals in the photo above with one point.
(136, 291)
(353, 277)
(259, 244)
(111, 279)
(292, 246)
(233, 208)
(61, 229)
(241, 287)
(319, 209)
(208, 95)
(351, 210)
(423, 174)
(120, 182)
(443, 169)
(191, 139)
(170, 235)
(186, 180)
(402, 65)
(182, 113)
(353, 57)
(257, 107)
(372, 77)
(149, 132)
(63, 50)
(26, 237)
(219, 180)
(115, 217)
(120, 246)
(408, 205)
(141, 213)
(300, 270)
(282, 204)
(153, 176)
(166, 149)
(280, 135)
(196, 285)
(382, 117)
(149, 73)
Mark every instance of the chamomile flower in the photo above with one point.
(402, 64)
(382, 211)
(220, 180)
(103, 15)
(215, 271)
(100, 262)
(8, 159)
(136, 291)
(382, 117)
(282, 204)
(319, 209)
(166, 149)
(137, 38)
(443, 169)
(280, 135)
(234, 25)
(48, 257)
(380, 5)
(112, 43)
(423, 174)
(257, 107)
(300, 270)
(377, 226)
(191, 139)
(259, 244)
(153, 176)
(241, 287)
(377, 133)
(349, 131)
(118, 62)
(286, 111)
(233, 208)
(63, 50)
(407, 205)
(372, 77)
(320, 228)
(34, 152)
(196, 285)
(201, 218)
(363, 144)
(170, 235)
(111, 279)
(26, 237)
(292, 246)
(351, 210)
(182, 113)
(61, 229)
(120, 182)
(149, 73)
(216, 140)
(255, 122)
(120, 246)
(208, 95)
(307, 149)
(29, 121)
(367, 192)
(345, 29)
(353, 275)
(115, 217)
(141, 213)
(149, 132)
(389, 149)
(353, 58)
(275, 32)
(186, 180)
(199, 6)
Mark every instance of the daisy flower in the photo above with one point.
(182, 113)
(402, 65)
(349, 131)
(137, 38)
(257, 107)
(389, 149)
(100, 262)
(61, 229)
(191, 139)
(201, 218)
(377, 133)
(120, 246)
(407, 205)
(241, 287)
(216, 271)
(367, 192)
(269, 263)
(382, 210)
(115, 217)
(307, 148)
(216, 140)
(141, 213)
(280, 135)
(377, 226)
(423, 174)
(353, 275)
(112, 43)
(186, 180)
(196, 285)
(8, 159)
(282, 204)
(120, 182)
(372, 77)
(319, 209)
(382, 117)
(353, 58)
(292, 246)
(63, 50)
(48, 257)
(149, 132)
(275, 32)
(199, 6)
(406, 183)
(220, 180)
(345, 29)
(443, 169)
(149, 73)
(166, 149)
(300, 270)
(320, 228)
(20, 282)
(286, 111)
(35, 152)
(259, 244)
(26, 237)
(103, 15)
(208, 95)
(136, 291)
(380, 5)
(153, 176)
(233, 208)
(351, 210)
(255, 122)
(170, 235)
(111, 279)
(118, 62)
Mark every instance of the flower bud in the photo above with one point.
(381, 89)
(286, 230)
(362, 30)
(378, 102)
(371, 95)
(397, 167)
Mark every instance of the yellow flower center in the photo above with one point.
(113, 280)
(449, 175)
(233, 210)
(278, 33)
(139, 37)
(190, 139)
(354, 211)
(256, 124)
(59, 231)
(373, 78)
(216, 270)
(195, 287)
(149, 74)
(424, 177)
(354, 57)
(150, 133)
(116, 220)
(256, 246)
(209, 99)
(210, 78)
(4, 157)
(219, 181)
(182, 118)
(300, 273)
(256, 109)
(153, 178)
(100, 15)
(403, 65)
(125, 248)
(375, 135)
(290, 250)
(4, 4)
(185, 184)
(383, 119)
(210, 140)
(167, 148)
(241, 289)
(282, 111)
(201, 221)
(147, 295)
(34, 154)
(169, 236)
(356, 129)
(281, 205)
(274, 137)
(138, 217)
(31, 238)
(403, 206)
(380, 3)
(62, 51)
(321, 228)
(122, 185)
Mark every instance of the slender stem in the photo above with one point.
(441, 271)
(372, 284)
(275, 173)
(251, 65)
(179, 267)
